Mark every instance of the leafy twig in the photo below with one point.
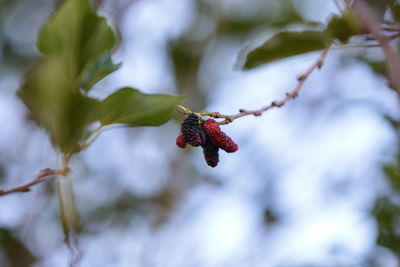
(44, 175)
(392, 61)
(277, 103)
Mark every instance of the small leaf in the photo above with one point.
(339, 29)
(129, 106)
(386, 214)
(97, 70)
(286, 44)
(14, 252)
(344, 27)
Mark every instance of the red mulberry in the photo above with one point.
(192, 132)
(210, 152)
(180, 141)
(218, 137)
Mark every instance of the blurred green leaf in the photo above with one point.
(286, 44)
(17, 254)
(97, 70)
(395, 8)
(64, 113)
(129, 106)
(75, 35)
(387, 215)
(392, 173)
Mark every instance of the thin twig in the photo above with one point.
(393, 67)
(277, 103)
(390, 29)
(391, 37)
(44, 175)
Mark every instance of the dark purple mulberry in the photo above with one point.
(210, 152)
(192, 131)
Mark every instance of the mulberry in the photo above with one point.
(192, 132)
(218, 137)
(210, 152)
(180, 141)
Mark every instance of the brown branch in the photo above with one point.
(277, 103)
(289, 95)
(370, 24)
(44, 175)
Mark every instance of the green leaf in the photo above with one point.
(97, 70)
(76, 36)
(129, 106)
(286, 44)
(64, 113)
(14, 251)
(76, 45)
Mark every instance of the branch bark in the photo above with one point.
(44, 175)
(371, 25)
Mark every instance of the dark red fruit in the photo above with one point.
(180, 141)
(192, 132)
(210, 152)
(218, 137)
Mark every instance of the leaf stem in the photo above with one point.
(91, 138)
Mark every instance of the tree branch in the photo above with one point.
(44, 175)
(277, 103)
(392, 61)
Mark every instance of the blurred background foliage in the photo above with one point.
(144, 202)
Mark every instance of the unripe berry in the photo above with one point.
(180, 142)
(218, 137)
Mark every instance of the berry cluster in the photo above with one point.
(207, 135)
